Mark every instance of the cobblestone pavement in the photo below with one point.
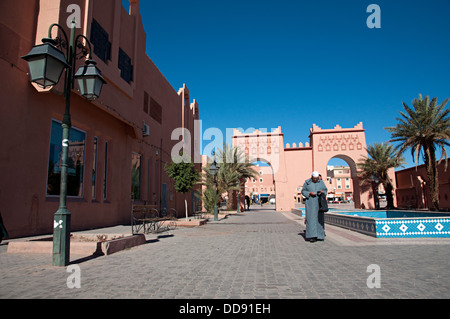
(256, 254)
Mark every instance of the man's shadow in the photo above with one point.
(303, 234)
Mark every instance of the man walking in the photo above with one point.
(315, 228)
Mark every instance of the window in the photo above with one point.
(126, 69)
(99, 38)
(145, 102)
(260, 180)
(347, 182)
(155, 110)
(94, 167)
(136, 175)
(75, 161)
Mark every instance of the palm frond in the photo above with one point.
(423, 128)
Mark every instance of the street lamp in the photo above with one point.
(46, 63)
(90, 80)
(213, 169)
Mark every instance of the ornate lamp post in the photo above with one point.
(46, 63)
(213, 169)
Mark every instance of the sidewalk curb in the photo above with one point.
(108, 247)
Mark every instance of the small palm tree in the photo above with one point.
(424, 128)
(207, 195)
(233, 167)
(374, 169)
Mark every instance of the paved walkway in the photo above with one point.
(257, 254)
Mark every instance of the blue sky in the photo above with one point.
(265, 64)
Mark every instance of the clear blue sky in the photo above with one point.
(266, 63)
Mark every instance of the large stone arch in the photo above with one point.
(354, 176)
(262, 159)
(348, 144)
(268, 147)
(350, 161)
(293, 164)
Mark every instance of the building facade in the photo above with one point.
(339, 183)
(261, 188)
(118, 144)
(292, 164)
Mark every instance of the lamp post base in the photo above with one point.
(216, 218)
(61, 237)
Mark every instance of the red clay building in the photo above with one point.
(118, 144)
(412, 191)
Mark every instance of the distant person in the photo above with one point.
(315, 228)
(247, 200)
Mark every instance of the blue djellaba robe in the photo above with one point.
(315, 221)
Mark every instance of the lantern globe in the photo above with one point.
(90, 80)
(214, 168)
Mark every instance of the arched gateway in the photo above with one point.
(292, 165)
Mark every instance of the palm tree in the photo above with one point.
(424, 128)
(234, 167)
(374, 169)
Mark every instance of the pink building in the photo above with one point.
(339, 183)
(118, 144)
(261, 187)
(412, 191)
